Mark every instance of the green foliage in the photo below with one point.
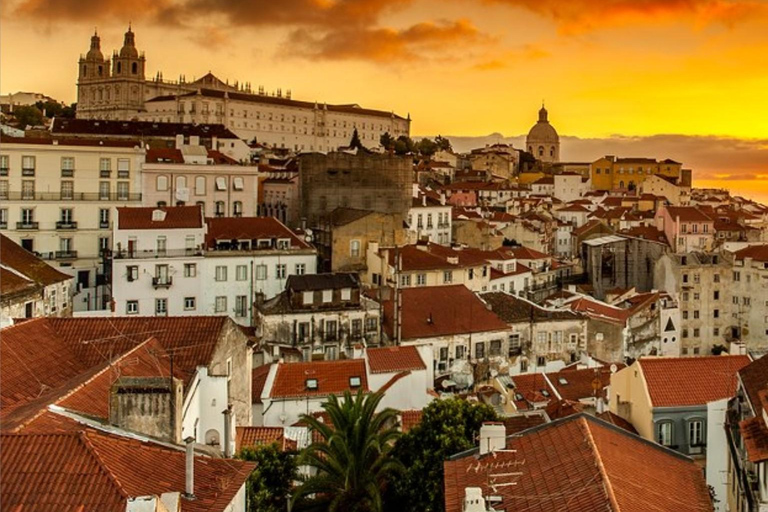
(353, 459)
(447, 427)
(443, 144)
(355, 142)
(404, 145)
(387, 141)
(27, 116)
(271, 482)
(53, 109)
(427, 147)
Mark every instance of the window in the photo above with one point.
(4, 165)
(405, 280)
(237, 209)
(443, 353)
(123, 190)
(104, 218)
(105, 167)
(331, 330)
(123, 168)
(27, 189)
(685, 278)
(221, 273)
(514, 344)
(190, 269)
(68, 190)
(421, 279)
(480, 350)
(27, 165)
(346, 294)
(132, 272)
(161, 274)
(354, 248)
(736, 276)
(219, 208)
(132, 307)
(695, 433)
(161, 307)
(664, 433)
(696, 332)
(3, 218)
(66, 216)
(161, 244)
(448, 276)
(261, 272)
(331, 353)
(301, 269)
(67, 166)
(372, 324)
(221, 183)
(241, 305)
(716, 313)
(162, 183)
(241, 272)
(200, 185)
(27, 216)
(716, 295)
(104, 189)
(280, 270)
(303, 334)
(220, 305)
(696, 315)
(237, 183)
(495, 349)
(308, 298)
(357, 327)
(4, 189)
(190, 303)
(716, 278)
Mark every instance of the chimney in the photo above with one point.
(473, 500)
(214, 143)
(228, 431)
(189, 489)
(493, 436)
(194, 140)
(442, 198)
(179, 141)
(149, 405)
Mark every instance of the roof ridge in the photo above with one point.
(607, 487)
(85, 439)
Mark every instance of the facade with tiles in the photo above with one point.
(58, 199)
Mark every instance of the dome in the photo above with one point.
(95, 52)
(542, 131)
(129, 50)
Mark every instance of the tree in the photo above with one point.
(387, 141)
(353, 457)
(447, 427)
(427, 147)
(404, 145)
(355, 142)
(27, 116)
(443, 144)
(271, 482)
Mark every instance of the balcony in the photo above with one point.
(105, 174)
(63, 225)
(162, 282)
(4, 171)
(77, 196)
(67, 173)
(66, 255)
(168, 253)
(3, 225)
(28, 225)
(27, 172)
(104, 225)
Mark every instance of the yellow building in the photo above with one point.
(626, 174)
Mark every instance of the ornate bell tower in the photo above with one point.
(93, 73)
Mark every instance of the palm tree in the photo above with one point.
(352, 460)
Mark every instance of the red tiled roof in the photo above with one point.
(433, 311)
(531, 388)
(754, 378)
(6, 139)
(521, 422)
(410, 418)
(138, 129)
(756, 252)
(599, 310)
(581, 463)
(249, 228)
(525, 253)
(258, 380)
(36, 271)
(250, 437)
(176, 217)
(91, 470)
(394, 359)
(164, 155)
(755, 435)
(681, 381)
(581, 384)
(688, 214)
(333, 378)
(617, 420)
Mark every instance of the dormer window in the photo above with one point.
(158, 215)
(265, 243)
(283, 243)
(354, 382)
(311, 384)
(562, 381)
(309, 298)
(346, 294)
(327, 296)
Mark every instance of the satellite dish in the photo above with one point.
(494, 373)
(614, 368)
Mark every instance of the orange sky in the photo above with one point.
(459, 67)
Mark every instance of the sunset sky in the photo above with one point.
(685, 79)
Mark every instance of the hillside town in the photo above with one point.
(194, 274)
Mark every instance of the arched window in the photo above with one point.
(219, 208)
(621, 184)
(85, 70)
(201, 204)
(541, 150)
(119, 67)
(134, 68)
(101, 70)
(162, 183)
(665, 433)
(200, 185)
(181, 182)
(237, 209)
(552, 151)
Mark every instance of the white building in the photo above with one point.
(57, 199)
(429, 217)
(570, 186)
(168, 261)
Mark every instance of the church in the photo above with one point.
(118, 89)
(543, 142)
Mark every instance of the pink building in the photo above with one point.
(687, 228)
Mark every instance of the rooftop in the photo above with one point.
(394, 359)
(137, 129)
(319, 378)
(173, 217)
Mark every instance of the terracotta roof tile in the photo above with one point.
(91, 470)
(394, 359)
(756, 252)
(520, 422)
(681, 381)
(250, 437)
(258, 380)
(410, 418)
(249, 228)
(754, 378)
(432, 311)
(581, 384)
(176, 217)
(138, 129)
(331, 377)
(581, 463)
(513, 309)
(755, 435)
(35, 270)
(688, 214)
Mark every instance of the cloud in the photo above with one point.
(386, 44)
(584, 15)
(91, 10)
(510, 58)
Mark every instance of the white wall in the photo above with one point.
(717, 452)
(204, 405)
(409, 392)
